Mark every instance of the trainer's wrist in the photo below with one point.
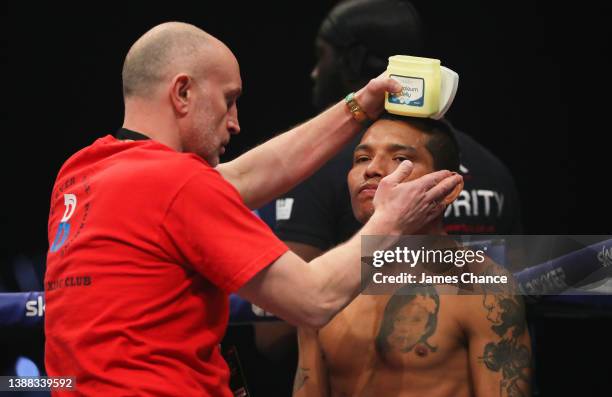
(353, 105)
(381, 224)
(383, 234)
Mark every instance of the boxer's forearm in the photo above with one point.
(271, 169)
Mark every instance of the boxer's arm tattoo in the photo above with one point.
(409, 320)
(301, 376)
(509, 355)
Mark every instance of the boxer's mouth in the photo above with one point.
(368, 188)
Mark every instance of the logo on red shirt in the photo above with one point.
(63, 230)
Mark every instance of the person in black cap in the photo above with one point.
(354, 42)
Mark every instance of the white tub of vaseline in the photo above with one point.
(428, 89)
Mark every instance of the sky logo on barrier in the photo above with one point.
(63, 230)
(35, 308)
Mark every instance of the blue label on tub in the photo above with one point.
(413, 91)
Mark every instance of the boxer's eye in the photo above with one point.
(361, 159)
(399, 159)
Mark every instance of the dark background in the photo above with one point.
(532, 89)
(534, 84)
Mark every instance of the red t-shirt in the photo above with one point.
(145, 245)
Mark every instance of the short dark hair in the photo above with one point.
(442, 143)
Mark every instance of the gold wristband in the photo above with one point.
(355, 109)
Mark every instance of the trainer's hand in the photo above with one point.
(371, 97)
(407, 206)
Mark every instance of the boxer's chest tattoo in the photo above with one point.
(410, 318)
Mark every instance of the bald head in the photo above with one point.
(163, 51)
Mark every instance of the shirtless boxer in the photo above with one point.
(423, 342)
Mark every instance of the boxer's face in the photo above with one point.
(385, 144)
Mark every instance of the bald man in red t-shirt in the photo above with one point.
(149, 234)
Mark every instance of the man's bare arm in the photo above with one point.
(275, 339)
(271, 169)
(311, 378)
(499, 345)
